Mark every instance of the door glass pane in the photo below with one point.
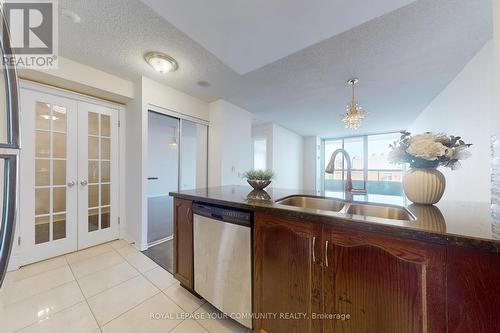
(42, 229)
(58, 118)
(105, 125)
(93, 222)
(42, 172)
(93, 123)
(93, 148)
(50, 172)
(193, 155)
(356, 150)
(93, 195)
(42, 144)
(99, 171)
(105, 149)
(93, 172)
(59, 226)
(104, 195)
(59, 172)
(163, 164)
(42, 120)
(105, 217)
(59, 199)
(105, 172)
(59, 145)
(42, 201)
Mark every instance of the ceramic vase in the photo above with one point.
(424, 186)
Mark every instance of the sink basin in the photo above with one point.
(313, 202)
(386, 212)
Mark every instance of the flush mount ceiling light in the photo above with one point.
(161, 62)
(355, 114)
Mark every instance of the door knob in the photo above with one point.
(83, 182)
(71, 184)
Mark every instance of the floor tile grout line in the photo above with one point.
(100, 270)
(119, 283)
(85, 298)
(54, 313)
(135, 306)
(59, 256)
(43, 291)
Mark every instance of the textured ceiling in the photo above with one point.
(247, 35)
(403, 59)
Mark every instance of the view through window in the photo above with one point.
(371, 169)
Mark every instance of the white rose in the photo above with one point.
(426, 148)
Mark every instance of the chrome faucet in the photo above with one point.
(349, 190)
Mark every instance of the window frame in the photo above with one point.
(365, 157)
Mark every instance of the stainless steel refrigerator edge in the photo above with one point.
(9, 152)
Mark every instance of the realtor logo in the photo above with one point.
(33, 33)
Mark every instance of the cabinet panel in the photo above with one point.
(183, 243)
(473, 291)
(382, 284)
(287, 272)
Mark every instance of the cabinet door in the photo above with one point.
(473, 290)
(383, 284)
(183, 243)
(287, 273)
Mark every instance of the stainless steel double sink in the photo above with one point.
(350, 208)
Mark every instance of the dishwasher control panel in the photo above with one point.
(229, 215)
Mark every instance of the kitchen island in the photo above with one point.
(432, 269)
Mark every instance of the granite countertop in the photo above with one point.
(469, 224)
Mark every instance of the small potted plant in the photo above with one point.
(259, 179)
(423, 183)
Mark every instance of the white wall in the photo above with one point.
(230, 144)
(464, 108)
(265, 131)
(312, 166)
(285, 154)
(74, 76)
(288, 153)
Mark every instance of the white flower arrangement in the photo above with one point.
(429, 150)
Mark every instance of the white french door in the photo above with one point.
(98, 173)
(68, 175)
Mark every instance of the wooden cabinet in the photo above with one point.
(183, 243)
(384, 284)
(287, 274)
(473, 289)
(345, 280)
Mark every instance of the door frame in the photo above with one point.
(18, 251)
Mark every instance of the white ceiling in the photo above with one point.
(247, 35)
(403, 58)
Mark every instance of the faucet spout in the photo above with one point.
(330, 168)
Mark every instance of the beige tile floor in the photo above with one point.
(107, 288)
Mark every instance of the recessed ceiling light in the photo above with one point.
(203, 83)
(161, 62)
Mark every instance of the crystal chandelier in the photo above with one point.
(355, 114)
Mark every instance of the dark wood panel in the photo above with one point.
(384, 284)
(473, 291)
(286, 280)
(183, 243)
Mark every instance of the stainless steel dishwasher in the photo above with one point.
(223, 259)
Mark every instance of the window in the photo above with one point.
(259, 153)
(370, 167)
